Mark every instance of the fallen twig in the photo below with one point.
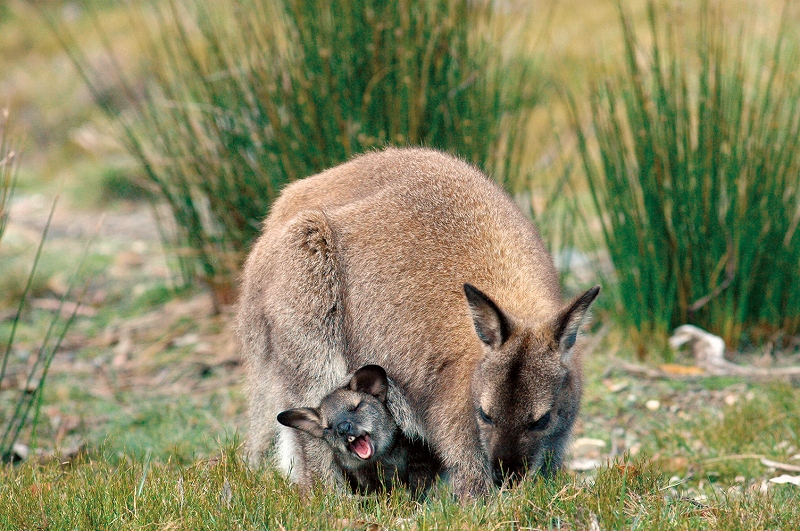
(692, 372)
(780, 466)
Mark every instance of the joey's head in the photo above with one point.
(526, 389)
(353, 420)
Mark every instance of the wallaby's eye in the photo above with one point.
(357, 406)
(484, 417)
(541, 423)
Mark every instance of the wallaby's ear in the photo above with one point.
(304, 419)
(490, 323)
(370, 379)
(569, 322)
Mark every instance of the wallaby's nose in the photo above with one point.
(344, 428)
(497, 476)
(509, 471)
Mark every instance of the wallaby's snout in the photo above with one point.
(507, 463)
(349, 427)
(345, 428)
(507, 470)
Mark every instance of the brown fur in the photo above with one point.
(367, 263)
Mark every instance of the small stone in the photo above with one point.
(652, 405)
(226, 494)
(786, 478)
(186, 340)
(584, 465)
(20, 451)
(616, 387)
(204, 348)
(586, 447)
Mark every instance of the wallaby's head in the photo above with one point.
(353, 420)
(526, 389)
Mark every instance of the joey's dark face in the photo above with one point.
(354, 420)
(526, 390)
(357, 426)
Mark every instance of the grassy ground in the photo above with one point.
(689, 461)
(222, 494)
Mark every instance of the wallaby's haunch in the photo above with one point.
(415, 261)
(366, 442)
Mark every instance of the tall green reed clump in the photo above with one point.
(240, 99)
(22, 412)
(698, 184)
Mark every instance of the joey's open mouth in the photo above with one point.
(361, 446)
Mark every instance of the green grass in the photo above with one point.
(222, 493)
(697, 181)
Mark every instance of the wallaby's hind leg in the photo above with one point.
(291, 312)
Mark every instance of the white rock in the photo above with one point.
(786, 478)
(652, 405)
(582, 464)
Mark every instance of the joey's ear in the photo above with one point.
(490, 323)
(569, 322)
(370, 379)
(304, 419)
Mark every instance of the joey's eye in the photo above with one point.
(541, 423)
(357, 406)
(484, 417)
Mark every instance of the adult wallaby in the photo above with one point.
(415, 261)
